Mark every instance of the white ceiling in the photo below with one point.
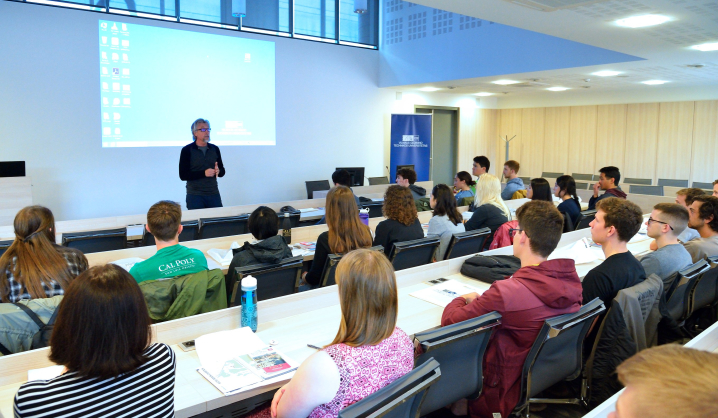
(665, 48)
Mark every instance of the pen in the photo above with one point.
(314, 347)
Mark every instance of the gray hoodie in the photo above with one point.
(417, 191)
(512, 186)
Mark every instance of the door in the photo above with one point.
(444, 143)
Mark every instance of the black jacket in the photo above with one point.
(192, 165)
(489, 269)
(269, 251)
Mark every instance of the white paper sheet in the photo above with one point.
(217, 348)
(46, 373)
(442, 294)
(222, 256)
(582, 252)
(127, 263)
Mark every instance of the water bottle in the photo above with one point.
(364, 216)
(287, 229)
(249, 303)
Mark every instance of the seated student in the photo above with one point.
(34, 266)
(341, 178)
(668, 381)
(271, 248)
(446, 220)
(616, 222)
(539, 189)
(667, 222)
(368, 352)
(345, 233)
(513, 181)
(608, 181)
(540, 289)
(103, 338)
(703, 217)
(464, 184)
(480, 167)
(402, 223)
(171, 259)
(490, 211)
(684, 197)
(406, 177)
(565, 189)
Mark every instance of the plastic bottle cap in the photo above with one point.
(249, 283)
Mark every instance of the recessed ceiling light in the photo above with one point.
(558, 88)
(710, 46)
(642, 21)
(606, 73)
(483, 93)
(505, 82)
(654, 82)
(429, 89)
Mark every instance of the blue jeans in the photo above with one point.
(203, 202)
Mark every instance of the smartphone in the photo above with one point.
(187, 345)
(437, 281)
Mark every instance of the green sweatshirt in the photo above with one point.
(169, 262)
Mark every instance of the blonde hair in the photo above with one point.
(488, 192)
(672, 381)
(368, 298)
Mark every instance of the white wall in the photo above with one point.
(330, 113)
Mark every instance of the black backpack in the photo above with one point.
(42, 336)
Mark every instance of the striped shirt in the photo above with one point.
(145, 392)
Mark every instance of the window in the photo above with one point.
(270, 15)
(158, 7)
(216, 11)
(315, 18)
(358, 28)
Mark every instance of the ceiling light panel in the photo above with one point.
(606, 73)
(558, 88)
(654, 82)
(642, 21)
(429, 89)
(711, 46)
(505, 82)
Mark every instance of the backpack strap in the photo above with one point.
(4, 350)
(32, 314)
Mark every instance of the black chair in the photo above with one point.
(315, 186)
(556, 355)
(678, 299)
(584, 177)
(701, 185)
(400, 399)
(375, 209)
(459, 348)
(294, 217)
(551, 174)
(596, 177)
(705, 292)
(222, 227)
(373, 181)
(4, 245)
(330, 267)
(96, 241)
(189, 233)
(567, 223)
(648, 190)
(672, 183)
(413, 253)
(585, 218)
(465, 243)
(273, 280)
(645, 182)
(526, 180)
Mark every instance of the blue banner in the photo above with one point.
(411, 145)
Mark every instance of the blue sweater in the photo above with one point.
(512, 186)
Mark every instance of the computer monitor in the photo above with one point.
(12, 168)
(357, 174)
(409, 166)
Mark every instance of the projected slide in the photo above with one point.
(155, 82)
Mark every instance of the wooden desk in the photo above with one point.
(377, 190)
(645, 202)
(15, 194)
(293, 321)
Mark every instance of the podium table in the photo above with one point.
(15, 194)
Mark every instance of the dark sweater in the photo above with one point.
(192, 165)
(321, 253)
(571, 208)
(615, 192)
(486, 216)
(390, 231)
(270, 251)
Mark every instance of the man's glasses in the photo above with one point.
(660, 222)
(204, 129)
(514, 231)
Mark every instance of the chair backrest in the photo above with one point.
(378, 180)
(96, 241)
(596, 177)
(414, 253)
(567, 223)
(465, 243)
(189, 233)
(459, 348)
(705, 292)
(672, 183)
(557, 353)
(701, 185)
(585, 218)
(222, 227)
(330, 267)
(400, 399)
(4, 245)
(273, 280)
(645, 182)
(678, 302)
(581, 186)
(526, 180)
(584, 177)
(649, 190)
(551, 174)
(294, 218)
(315, 186)
(375, 209)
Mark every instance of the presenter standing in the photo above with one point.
(200, 164)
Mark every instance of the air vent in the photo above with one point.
(529, 84)
(553, 5)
